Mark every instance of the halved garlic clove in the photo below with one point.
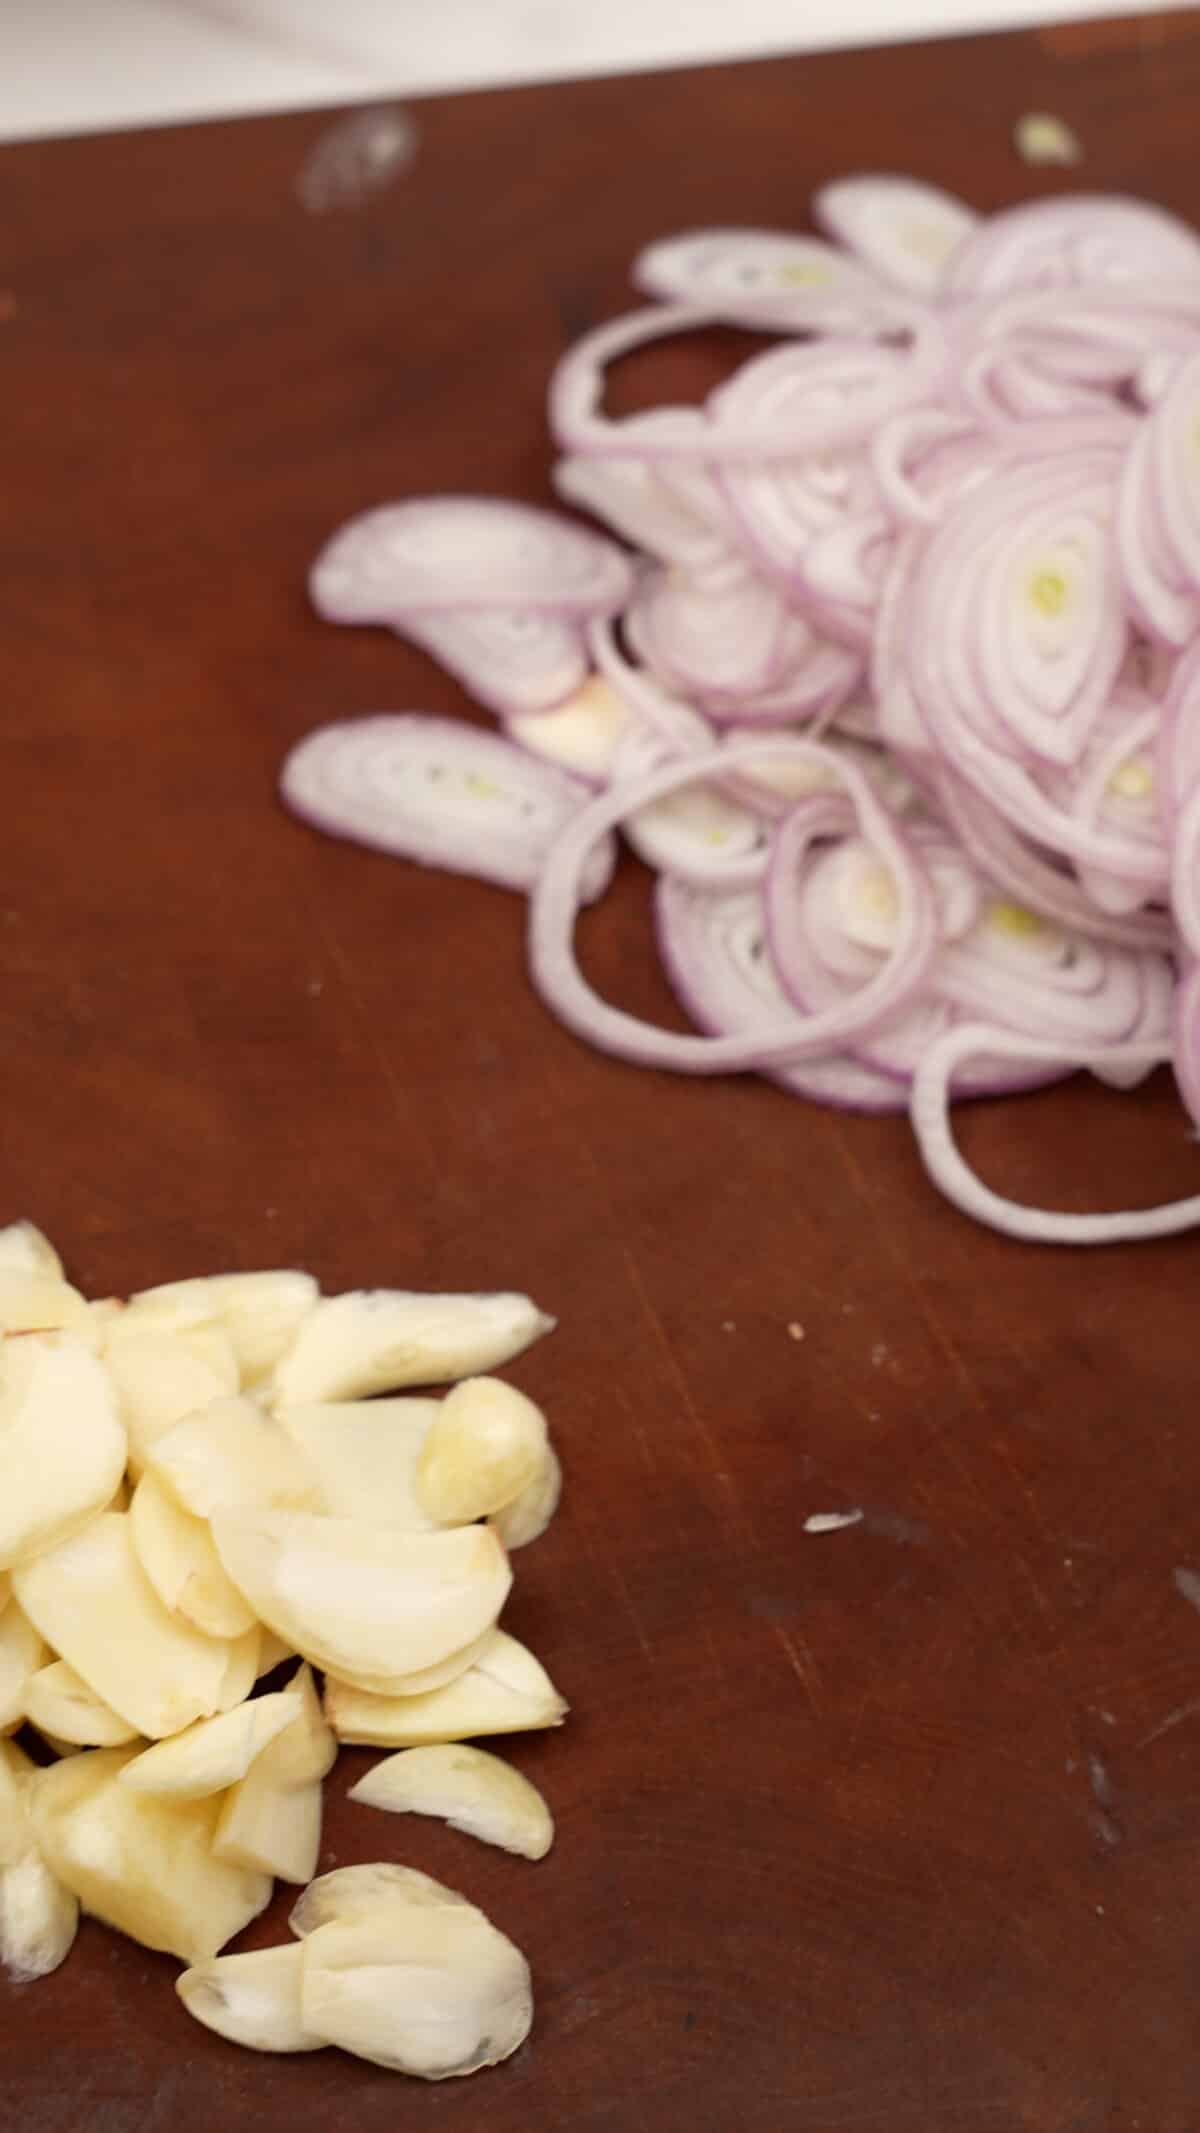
(160, 1376)
(466, 1787)
(424, 1990)
(381, 1340)
(526, 1518)
(62, 1445)
(24, 1250)
(143, 1865)
(348, 1894)
(262, 1313)
(363, 1599)
(251, 1999)
(230, 1452)
(506, 1691)
(214, 1753)
(93, 1603)
(38, 1918)
(22, 1652)
(364, 1454)
(485, 1444)
(61, 1705)
(179, 1556)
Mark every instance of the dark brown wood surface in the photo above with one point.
(895, 1827)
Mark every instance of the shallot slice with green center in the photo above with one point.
(439, 792)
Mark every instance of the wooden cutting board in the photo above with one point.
(894, 1826)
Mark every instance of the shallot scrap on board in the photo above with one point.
(887, 664)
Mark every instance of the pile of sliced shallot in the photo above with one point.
(198, 1485)
(892, 673)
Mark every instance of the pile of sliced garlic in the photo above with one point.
(196, 1485)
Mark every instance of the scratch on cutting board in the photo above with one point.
(693, 1413)
(627, 1602)
(1173, 1718)
(803, 1666)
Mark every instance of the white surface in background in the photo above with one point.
(71, 66)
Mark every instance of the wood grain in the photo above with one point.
(896, 1826)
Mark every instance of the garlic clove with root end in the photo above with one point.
(526, 1518)
(466, 1787)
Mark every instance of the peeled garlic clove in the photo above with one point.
(62, 1706)
(429, 1677)
(178, 1555)
(143, 1865)
(274, 1829)
(348, 1894)
(272, 1652)
(251, 1999)
(486, 1444)
(241, 1668)
(364, 1454)
(505, 1691)
(5, 1590)
(44, 1303)
(38, 1919)
(160, 1376)
(214, 1753)
(230, 1452)
(21, 1654)
(16, 1830)
(381, 1340)
(466, 1787)
(62, 1445)
(24, 1250)
(364, 1599)
(93, 1603)
(526, 1518)
(261, 1312)
(435, 1992)
(271, 1820)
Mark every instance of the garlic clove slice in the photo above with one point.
(60, 1704)
(214, 1753)
(364, 1454)
(431, 1991)
(177, 1552)
(507, 1690)
(484, 1446)
(62, 1444)
(382, 1340)
(466, 1787)
(22, 1652)
(251, 1999)
(230, 1452)
(363, 1599)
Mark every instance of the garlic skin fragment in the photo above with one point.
(484, 1446)
(179, 1556)
(435, 1991)
(230, 1452)
(251, 1999)
(93, 1603)
(382, 1340)
(364, 1454)
(143, 1865)
(261, 1313)
(62, 1706)
(364, 1600)
(214, 1753)
(466, 1787)
(507, 1690)
(62, 1444)
(526, 1518)
(24, 1250)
